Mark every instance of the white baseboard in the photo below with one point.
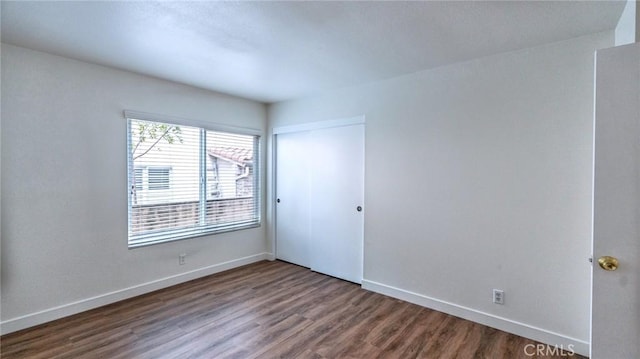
(29, 320)
(507, 325)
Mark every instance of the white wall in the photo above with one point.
(496, 192)
(64, 190)
(628, 29)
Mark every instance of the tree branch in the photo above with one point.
(137, 145)
(153, 145)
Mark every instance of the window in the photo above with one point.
(158, 178)
(151, 178)
(138, 173)
(188, 181)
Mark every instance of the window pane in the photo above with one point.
(230, 178)
(168, 197)
(168, 200)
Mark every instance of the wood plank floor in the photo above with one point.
(263, 310)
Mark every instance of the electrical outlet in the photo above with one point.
(498, 296)
(182, 259)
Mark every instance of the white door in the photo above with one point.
(615, 312)
(337, 202)
(292, 191)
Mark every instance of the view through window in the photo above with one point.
(187, 181)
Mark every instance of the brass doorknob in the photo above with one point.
(608, 263)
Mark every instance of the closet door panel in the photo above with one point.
(337, 201)
(293, 151)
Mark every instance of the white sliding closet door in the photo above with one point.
(320, 199)
(336, 212)
(292, 188)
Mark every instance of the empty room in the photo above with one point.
(320, 179)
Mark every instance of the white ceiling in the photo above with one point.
(273, 51)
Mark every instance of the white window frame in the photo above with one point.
(174, 235)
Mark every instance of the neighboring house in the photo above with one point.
(165, 190)
(165, 175)
(231, 172)
(229, 175)
(151, 183)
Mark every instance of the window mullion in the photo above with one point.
(203, 178)
(256, 178)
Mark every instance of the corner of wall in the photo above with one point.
(477, 316)
(628, 29)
